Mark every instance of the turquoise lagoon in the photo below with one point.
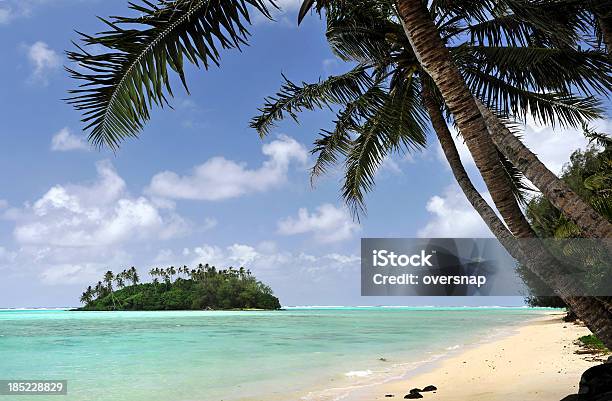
(310, 353)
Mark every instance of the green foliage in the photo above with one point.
(592, 342)
(131, 73)
(518, 56)
(204, 287)
(379, 101)
(588, 174)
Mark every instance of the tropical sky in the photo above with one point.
(200, 186)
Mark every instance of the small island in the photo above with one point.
(182, 288)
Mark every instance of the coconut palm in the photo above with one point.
(119, 281)
(134, 278)
(121, 85)
(99, 289)
(87, 296)
(108, 280)
(359, 96)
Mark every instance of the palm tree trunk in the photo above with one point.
(594, 312)
(436, 61)
(445, 137)
(605, 26)
(554, 189)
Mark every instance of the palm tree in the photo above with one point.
(119, 280)
(350, 91)
(120, 85)
(108, 280)
(115, 93)
(87, 296)
(99, 289)
(134, 275)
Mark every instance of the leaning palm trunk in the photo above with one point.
(436, 61)
(594, 312)
(554, 189)
(481, 206)
(605, 26)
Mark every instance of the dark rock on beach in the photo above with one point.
(595, 384)
(596, 380)
(413, 396)
(431, 387)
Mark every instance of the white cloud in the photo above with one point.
(219, 178)
(328, 224)
(95, 215)
(44, 61)
(70, 274)
(555, 146)
(267, 260)
(64, 141)
(454, 217)
(242, 254)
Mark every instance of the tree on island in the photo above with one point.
(122, 84)
(203, 288)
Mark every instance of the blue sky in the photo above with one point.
(199, 185)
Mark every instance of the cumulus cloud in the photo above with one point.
(327, 224)
(220, 178)
(453, 216)
(555, 146)
(44, 61)
(95, 215)
(64, 141)
(263, 259)
(70, 274)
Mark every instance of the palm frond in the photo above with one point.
(399, 125)
(338, 142)
(292, 98)
(547, 108)
(121, 83)
(542, 69)
(520, 188)
(600, 138)
(358, 31)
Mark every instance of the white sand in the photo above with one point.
(536, 363)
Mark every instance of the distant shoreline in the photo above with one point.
(316, 307)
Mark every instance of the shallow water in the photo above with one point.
(201, 355)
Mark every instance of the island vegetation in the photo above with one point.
(182, 288)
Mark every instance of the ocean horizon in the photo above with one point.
(309, 353)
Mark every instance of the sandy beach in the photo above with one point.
(537, 362)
